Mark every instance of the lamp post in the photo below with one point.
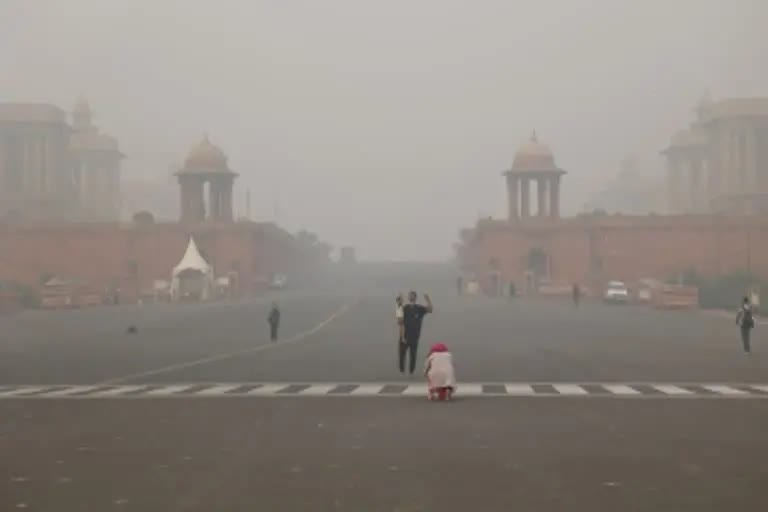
(749, 252)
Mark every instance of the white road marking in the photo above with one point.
(167, 390)
(592, 390)
(70, 390)
(621, 389)
(669, 389)
(415, 390)
(519, 389)
(229, 355)
(267, 389)
(469, 390)
(217, 390)
(22, 391)
(120, 390)
(318, 389)
(570, 389)
(724, 390)
(367, 389)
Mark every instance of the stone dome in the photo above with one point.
(81, 106)
(533, 156)
(206, 157)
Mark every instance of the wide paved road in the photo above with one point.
(595, 408)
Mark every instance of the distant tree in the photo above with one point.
(45, 277)
(143, 217)
(132, 266)
(324, 249)
(306, 238)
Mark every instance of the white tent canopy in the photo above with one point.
(192, 260)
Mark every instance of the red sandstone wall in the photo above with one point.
(624, 248)
(103, 254)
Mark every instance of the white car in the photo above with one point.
(616, 293)
(278, 281)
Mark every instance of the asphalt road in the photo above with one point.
(388, 452)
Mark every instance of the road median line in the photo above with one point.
(229, 355)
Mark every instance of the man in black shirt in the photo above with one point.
(413, 315)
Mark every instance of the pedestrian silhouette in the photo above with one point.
(746, 322)
(576, 294)
(274, 321)
(413, 316)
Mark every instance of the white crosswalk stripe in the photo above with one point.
(367, 389)
(167, 390)
(415, 390)
(119, 390)
(570, 389)
(217, 390)
(71, 390)
(469, 389)
(621, 389)
(724, 390)
(518, 390)
(318, 390)
(669, 389)
(20, 391)
(267, 389)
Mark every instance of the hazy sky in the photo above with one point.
(385, 124)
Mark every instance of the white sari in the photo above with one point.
(439, 370)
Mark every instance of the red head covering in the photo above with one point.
(438, 347)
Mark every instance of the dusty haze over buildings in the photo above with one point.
(383, 125)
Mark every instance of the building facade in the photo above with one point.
(96, 161)
(538, 252)
(35, 165)
(720, 163)
(132, 256)
(50, 169)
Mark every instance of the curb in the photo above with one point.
(732, 315)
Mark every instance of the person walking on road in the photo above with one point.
(746, 322)
(413, 316)
(576, 294)
(274, 321)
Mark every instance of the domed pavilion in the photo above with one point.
(206, 163)
(533, 162)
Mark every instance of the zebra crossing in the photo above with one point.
(394, 389)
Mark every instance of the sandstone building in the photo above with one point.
(51, 169)
(541, 250)
(132, 257)
(720, 163)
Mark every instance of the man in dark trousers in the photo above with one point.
(576, 294)
(746, 322)
(413, 315)
(274, 321)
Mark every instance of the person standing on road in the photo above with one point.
(399, 318)
(576, 294)
(413, 315)
(746, 322)
(274, 321)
